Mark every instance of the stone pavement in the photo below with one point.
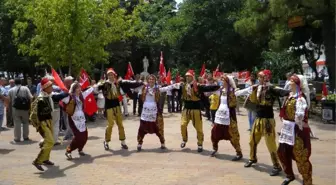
(153, 166)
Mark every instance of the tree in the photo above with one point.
(69, 32)
(202, 31)
(285, 23)
(281, 63)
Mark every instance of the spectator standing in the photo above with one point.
(20, 98)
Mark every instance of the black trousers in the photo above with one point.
(213, 114)
(135, 97)
(140, 104)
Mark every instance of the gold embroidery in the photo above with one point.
(235, 137)
(290, 109)
(302, 160)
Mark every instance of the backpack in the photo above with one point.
(33, 118)
(21, 103)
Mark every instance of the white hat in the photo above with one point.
(68, 78)
(49, 77)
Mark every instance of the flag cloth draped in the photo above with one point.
(58, 80)
(129, 73)
(90, 104)
(202, 73)
(168, 78)
(84, 79)
(162, 69)
(177, 77)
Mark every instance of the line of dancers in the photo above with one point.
(294, 138)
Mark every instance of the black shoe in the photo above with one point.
(26, 139)
(57, 143)
(200, 149)
(17, 140)
(275, 171)
(68, 155)
(249, 130)
(81, 153)
(213, 153)
(106, 146)
(249, 163)
(47, 162)
(124, 146)
(38, 166)
(41, 144)
(139, 148)
(163, 147)
(183, 144)
(237, 158)
(287, 181)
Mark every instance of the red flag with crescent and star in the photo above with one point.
(129, 72)
(90, 104)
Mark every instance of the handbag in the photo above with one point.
(70, 107)
(21, 103)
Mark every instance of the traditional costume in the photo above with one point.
(111, 91)
(191, 92)
(295, 133)
(41, 118)
(225, 126)
(75, 109)
(151, 120)
(264, 95)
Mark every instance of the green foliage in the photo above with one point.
(69, 32)
(281, 63)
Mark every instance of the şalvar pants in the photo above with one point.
(264, 127)
(46, 131)
(114, 115)
(21, 117)
(195, 116)
(226, 132)
(151, 128)
(300, 152)
(79, 140)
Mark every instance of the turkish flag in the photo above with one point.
(178, 77)
(217, 73)
(244, 75)
(168, 78)
(162, 69)
(129, 72)
(58, 80)
(84, 79)
(202, 73)
(90, 105)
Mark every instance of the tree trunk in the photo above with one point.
(329, 42)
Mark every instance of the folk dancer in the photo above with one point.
(264, 94)
(151, 120)
(75, 109)
(225, 126)
(41, 118)
(111, 91)
(295, 133)
(191, 92)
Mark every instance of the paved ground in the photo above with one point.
(152, 166)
